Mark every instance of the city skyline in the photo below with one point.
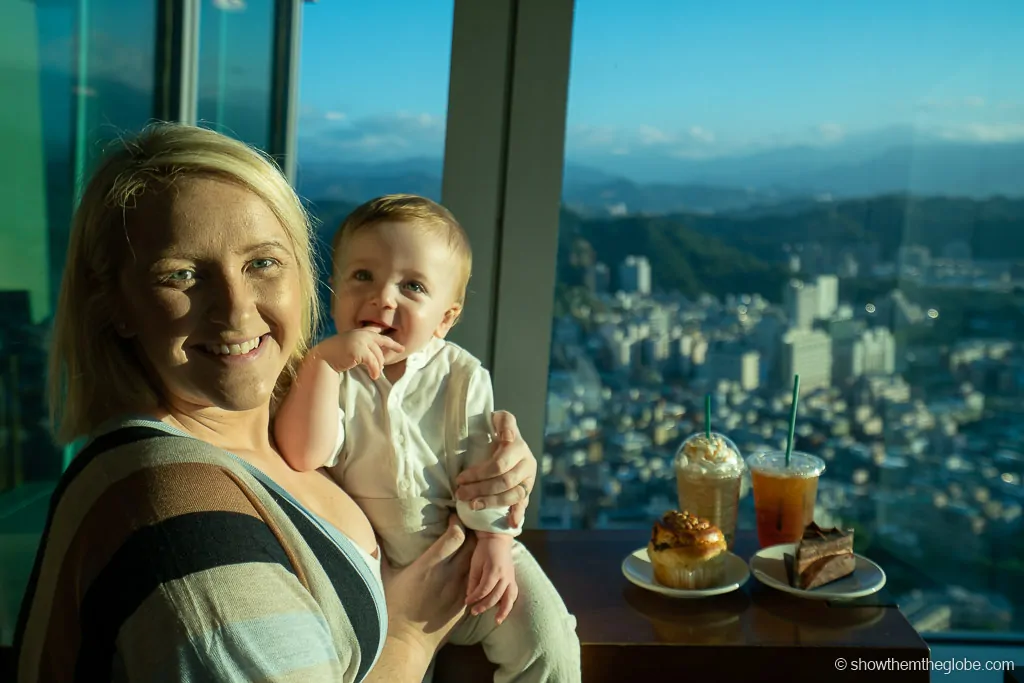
(916, 428)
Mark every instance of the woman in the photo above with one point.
(179, 545)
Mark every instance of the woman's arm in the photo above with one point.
(507, 478)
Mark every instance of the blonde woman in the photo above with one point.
(180, 546)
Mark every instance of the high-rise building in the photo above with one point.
(845, 335)
(735, 364)
(807, 353)
(801, 303)
(621, 353)
(658, 321)
(635, 275)
(827, 287)
(875, 353)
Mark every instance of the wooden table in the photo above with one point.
(752, 634)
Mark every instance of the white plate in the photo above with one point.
(637, 568)
(769, 567)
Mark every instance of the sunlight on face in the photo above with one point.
(212, 297)
(400, 278)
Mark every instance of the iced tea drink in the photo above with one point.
(784, 496)
(708, 474)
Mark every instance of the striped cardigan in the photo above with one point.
(167, 559)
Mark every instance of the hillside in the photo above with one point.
(992, 228)
(681, 258)
(742, 253)
(720, 254)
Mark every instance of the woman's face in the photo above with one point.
(211, 294)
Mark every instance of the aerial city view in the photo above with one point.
(910, 390)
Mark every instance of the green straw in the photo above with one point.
(792, 418)
(707, 416)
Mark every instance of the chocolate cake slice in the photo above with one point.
(822, 556)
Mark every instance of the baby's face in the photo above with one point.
(400, 279)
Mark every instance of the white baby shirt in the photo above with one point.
(401, 446)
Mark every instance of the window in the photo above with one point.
(72, 77)
(834, 192)
(373, 101)
(235, 66)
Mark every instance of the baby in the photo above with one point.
(395, 413)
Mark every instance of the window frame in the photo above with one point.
(504, 155)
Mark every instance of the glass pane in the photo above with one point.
(73, 76)
(373, 105)
(236, 40)
(829, 190)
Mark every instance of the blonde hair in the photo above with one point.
(94, 373)
(413, 210)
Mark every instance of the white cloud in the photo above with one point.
(983, 132)
(588, 136)
(422, 121)
(621, 140)
(701, 134)
(831, 132)
(649, 135)
(378, 137)
(371, 143)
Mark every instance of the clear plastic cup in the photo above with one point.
(708, 477)
(784, 496)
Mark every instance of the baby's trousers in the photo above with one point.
(537, 643)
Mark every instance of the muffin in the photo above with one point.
(687, 552)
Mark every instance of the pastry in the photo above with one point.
(822, 556)
(686, 552)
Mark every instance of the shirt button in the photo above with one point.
(400, 438)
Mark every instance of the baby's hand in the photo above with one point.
(363, 346)
(492, 578)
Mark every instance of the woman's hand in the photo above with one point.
(507, 478)
(427, 598)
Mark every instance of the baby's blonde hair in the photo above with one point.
(94, 373)
(413, 210)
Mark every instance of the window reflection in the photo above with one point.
(73, 77)
(236, 40)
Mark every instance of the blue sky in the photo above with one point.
(686, 79)
(650, 79)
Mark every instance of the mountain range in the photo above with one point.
(770, 180)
